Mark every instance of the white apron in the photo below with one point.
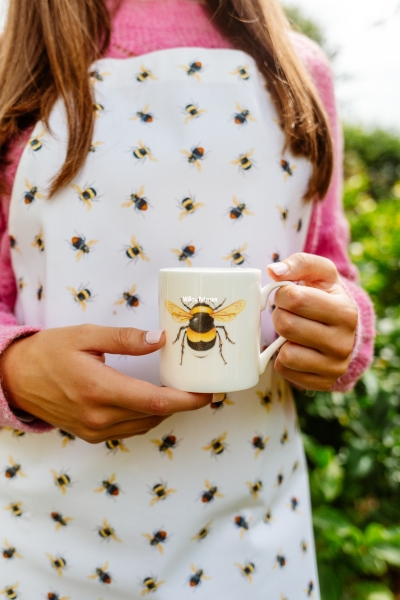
(186, 167)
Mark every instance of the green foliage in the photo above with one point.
(352, 440)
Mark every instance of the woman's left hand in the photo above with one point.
(318, 318)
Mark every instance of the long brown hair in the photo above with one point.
(48, 46)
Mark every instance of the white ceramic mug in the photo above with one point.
(211, 319)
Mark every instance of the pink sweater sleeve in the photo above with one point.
(328, 234)
(10, 330)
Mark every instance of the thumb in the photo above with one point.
(310, 268)
(120, 340)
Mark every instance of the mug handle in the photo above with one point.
(266, 355)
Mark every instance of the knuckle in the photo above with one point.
(283, 322)
(158, 404)
(94, 421)
(125, 337)
(286, 354)
(294, 297)
(343, 348)
(91, 437)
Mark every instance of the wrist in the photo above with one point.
(10, 362)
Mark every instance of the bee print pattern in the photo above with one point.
(265, 399)
(55, 596)
(144, 116)
(298, 225)
(280, 561)
(13, 470)
(192, 111)
(115, 445)
(58, 563)
(67, 437)
(287, 169)
(247, 570)
(193, 70)
(237, 256)
(80, 246)
(38, 241)
(166, 445)
(185, 254)
(130, 299)
(157, 539)
(15, 509)
(59, 520)
(35, 143)
(242, 72)
(189, 206)
(255, 488)
(10, 592)
(217, 405)
(203, 532)
(244, 161)
(259, 444)
(109, 486)
(87, 195)
(94, 145)
(194, 156)
(106, 532)
(39, 291)
(160, 492)
(242, 524)
(198, 576)
(243, 115)
(135, 251)
(61, 480)
(138, 201)
(81, 296)
(13, 243)
(102, 574)
(308, 591)
(9, 552)
(96, 75)
(21, 284)
(239, 209)
(31, 193)
(98, 109)
(217, 446)
(210, 493)
(145, 75)
(284, 214)
(142, 152)
(150, 584)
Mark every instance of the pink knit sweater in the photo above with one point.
(145, 26)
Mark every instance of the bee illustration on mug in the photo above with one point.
(201, 333)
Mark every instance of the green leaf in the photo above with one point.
(388, 553)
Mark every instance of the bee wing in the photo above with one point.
(178, 314)
(140, 191)
(198, 166)
(40, 196)
(223, 436)
(105, 566)
(76, 188)
(147, 535)
(193, 568)
(247, 212)
(207, 484)
(197, 77)
(100, 489)
(229, 312)
(176, 251)
(121, 301)
(197, 205)
(183, 67)
(242, 248)
(112, 478)
(133, 241)
(93, 576)
(236, 162)
(188, 262)
(129, 203)
(145, 108)
(11, 460)
(235, 201)
(186, 153)
(151, 157)
(141, 145)
(250, 153)
(72, 290)
(251, 118)
(132, 290)
(92, 243)
(27, 184)
(187, 119)
(238, 107)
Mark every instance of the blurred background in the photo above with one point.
(352, 441)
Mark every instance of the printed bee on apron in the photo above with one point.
(78, 244)
(210, 493)
(32, 193)
(94, 145)
(160, 492)
(97, 76)
(240, 209)
(236, 256)
(39, 291)
(115, 445)
(247, 570)
(109, 486)
(141, 152)
(35, 142)
(144, 75)
(217, 446)
(150, 584)
(241, 72)
(279, 560)
(98, 109)
(58, 563)
(241, 524)
(287, 168)
(61, 480)
(193, 70)
(189, 206)
(10, 592)
(138, 201)
(203, 532)
(81, 296)
(193, 112)
(143, 115)
(255, 488)
(134, 251)
(202, 333)
(13, 243)
(243, 115)
(266, 399)
(54, 596)
(102, 574)
(218, 404)
(9, 551)
(15, 508)
(13, 470)
(196, 579)
(38, 242)
(194, 157)
(88, 195)
(106, 532)
(129, 298)
(185, 254)
(259, 444)
(60, 520)
(244, 161)
(157, 539)
(284, 213)
(166, 444)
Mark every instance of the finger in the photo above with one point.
(330, 340)
(121, 430)
(307, 360)
(118, 340)
(308, 381)
(112, 387)
(317, 270)
(315, 304)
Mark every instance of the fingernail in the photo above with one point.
(218, 397)
(279, 268)
(153, 337)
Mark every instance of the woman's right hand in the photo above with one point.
(60, 376)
